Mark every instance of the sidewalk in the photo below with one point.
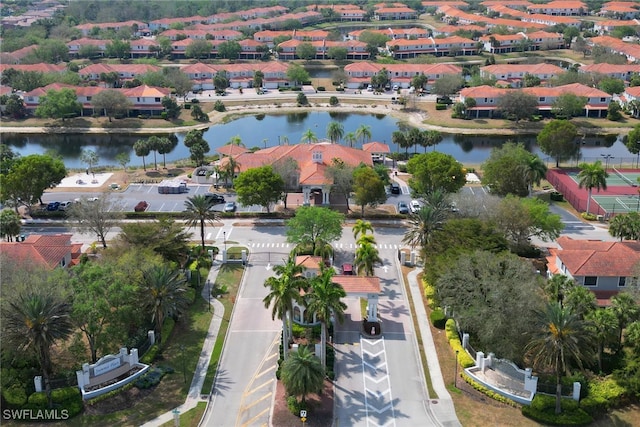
(444, 410)
(195, 391)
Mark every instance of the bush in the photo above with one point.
(464, 359)
(38, 399)
(150, 355)
(321, 89)
(219, 106)
(195, 101)
(333, 100)
(441, 106)
(438, 318)
(302, 99)
(60, 395)
(151, 378)
(492, 394)
(167, 328)
(164, 115)
(602, 394)
(15, 396)
(429, 294)
(295, 406)
(588, 216)
(187, 106)
(542, 410)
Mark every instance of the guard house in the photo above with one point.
(354, 286)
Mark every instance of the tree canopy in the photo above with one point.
(111, 102)
(568, 105)
(503, 170)
(368, 188)
(433, 171)
(58, 104)
(313, 225)
(259, 186)
(28, 177)
(557, 139)
(517, 105)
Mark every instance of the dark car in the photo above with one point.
(141, 206)
(53, 206)
(217, 198)
(403, 208)
(395, 188)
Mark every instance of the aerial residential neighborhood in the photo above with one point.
(345, 213)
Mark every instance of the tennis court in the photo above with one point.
(618, 204)
(616, 177)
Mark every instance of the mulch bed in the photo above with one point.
(319, 408)
(118, 402)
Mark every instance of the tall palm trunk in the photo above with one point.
(323, 344)
(285, 338)
(558, 387)
(588, 200)
(202, 232)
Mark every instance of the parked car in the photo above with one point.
(93, 199)
(53, 206)
(63, 206)
(403, 208)
(369, 88)
(395, 188)
(396, 88)
(217, 198)
(415, 206)
(141, 206)
(230, 207)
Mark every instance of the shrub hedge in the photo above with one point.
(14, 396)
(441, 106)
(68, 398)
(464, 359)
(542, 410)
(438, 318)
(492, 394)
(602, 394)
(150, 355)
(429, 294)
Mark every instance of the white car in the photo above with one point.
(415, 206)
(64, 205)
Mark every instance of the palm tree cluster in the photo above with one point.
(155, 144)
(198, 211)
(415, 137)
(322, 297)
(335, 132)
(427, 220)
(367, 255)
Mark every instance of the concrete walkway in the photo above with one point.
(443, 408)
(195, 390)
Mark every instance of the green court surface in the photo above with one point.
(614, 179)
(618, 204)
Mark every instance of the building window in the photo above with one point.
(157, 99)
(591, 281)
(602, 99)
(622, 281)
(541, 99)
(88, 98)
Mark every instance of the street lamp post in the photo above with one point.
(209, 294)
(607, 157)
(224, 236)
(455, 378)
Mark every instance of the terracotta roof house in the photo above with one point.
(354, 286)
(313, 161)
(630, 50)
(487, 98)
(629, 95)
(85, 29)
(560, 8)
(397, 12)
(40, 67)
(48, 251)
(604, 27)
(124, 71)
(144, 99)
(360, 73)
(605, 268)
(239, 74)
(75, 45)
(452, 45)
(16, 56)
(355, 49)
(514, 73)
(617, 71)
(620, 10)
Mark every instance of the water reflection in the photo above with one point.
(276, 129)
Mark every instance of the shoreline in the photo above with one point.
(414, 117)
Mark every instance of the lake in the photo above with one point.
(270, 129)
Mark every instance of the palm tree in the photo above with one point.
(335, 132)
(303, 373)
(367, 256)
(154, 145)
(625, 226)
(626, 311)
(142, 149)
(422, 225)
(560, 338)
(235, 140)
(89, 157)
(363, 132)
(400, 139)
(284, 290)
(557, 287)
(163, 294)
(361, 227)
(415, 137)
(309, 136)
(603, 325)
(198, 210)
(581, 301)
(533, 171)
(229, 169)
(350, 138)
(431, 139)
(324, 301)
(34, 321)
(592, 176)
(165, 146)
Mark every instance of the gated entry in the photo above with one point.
(267, 258)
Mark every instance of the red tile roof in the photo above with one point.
(375, 147)
(358, 284)
(45, 250)
(598, 258)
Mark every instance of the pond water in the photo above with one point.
(269, 130)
